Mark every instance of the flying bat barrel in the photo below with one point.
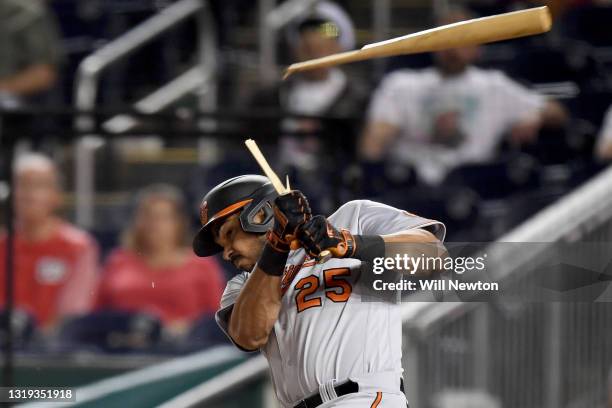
(465, 33)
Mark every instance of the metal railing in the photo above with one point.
(545, 355)
(217, 387)
(92, 67)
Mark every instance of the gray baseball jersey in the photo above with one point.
(324, 330)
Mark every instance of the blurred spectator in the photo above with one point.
(454, 113)
(603, 149)
(155, 271)
(56, 264)
(320, 92)
(30, 48)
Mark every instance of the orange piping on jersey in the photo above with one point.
(377, 400)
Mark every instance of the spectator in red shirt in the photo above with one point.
(56, 264)
(155, 271)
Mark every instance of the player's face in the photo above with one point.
(240, 248)
(37, 194)
(312, 45)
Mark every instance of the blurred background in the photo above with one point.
(117, 116)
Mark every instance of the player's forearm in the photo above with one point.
(258, 304)
(256, 310)
(415, 243)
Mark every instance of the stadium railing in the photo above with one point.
(534, 354)
(150, 386)
(91, 68)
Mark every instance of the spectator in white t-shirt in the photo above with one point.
(454, 113)
(603, 149)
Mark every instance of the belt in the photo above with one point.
(347, 387)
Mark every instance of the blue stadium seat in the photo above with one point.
(497, 179)
(107, 240)
(456, 206)
(523, 206)
(111, 331)
(589, 23)
(542, 63)
(205, 333)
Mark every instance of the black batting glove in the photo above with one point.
(291, 211)
(318, 235)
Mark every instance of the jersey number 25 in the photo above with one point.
(337, 289)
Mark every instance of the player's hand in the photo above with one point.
(317, 235)
(290, 212)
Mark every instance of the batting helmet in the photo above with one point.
(248, 194)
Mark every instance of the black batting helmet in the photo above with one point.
(248, 194)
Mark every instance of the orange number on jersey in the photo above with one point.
(334, 281)
(307, 286)
(339, 289)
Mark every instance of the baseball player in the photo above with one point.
(325, 345)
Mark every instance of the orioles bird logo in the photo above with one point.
(204, 213)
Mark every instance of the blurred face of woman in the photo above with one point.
(37, 194)
(159, 224)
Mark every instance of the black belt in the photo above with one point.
(347, 387)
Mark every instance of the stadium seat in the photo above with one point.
(559, 146)
(522, 206)
(456, 206)
(110, 331)
(590, 24)
(572, 61)
(592, 103)
(497, 179)
(205, 333)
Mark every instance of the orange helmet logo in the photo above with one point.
(204, 213)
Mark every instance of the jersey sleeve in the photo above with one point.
(381, 219)
(230, 294)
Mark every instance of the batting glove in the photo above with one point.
(291, 211)
(317, 235)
